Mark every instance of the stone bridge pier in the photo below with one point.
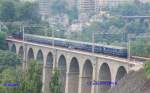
(79, 71)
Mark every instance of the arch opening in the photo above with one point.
(62, 70)
(30, 54)
(73, 76)
(87, 77)
(21, 52)
(13, 48)
(104, 76)
(49, 61)
(120, 73)
(39, 57)
(48, 70)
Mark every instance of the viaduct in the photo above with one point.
(76, 67)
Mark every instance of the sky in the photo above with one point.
(29, 0)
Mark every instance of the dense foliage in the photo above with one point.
(33, 78)
(60, 7)
(8, 59)
(3, 43)
(147, 69)
(132, 9)
(55, 85)
(27, 82)
(140, 47)
(16, 10)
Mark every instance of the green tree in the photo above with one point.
(8, 59)
(147, 69)
(59, 7)
(140, 47)
(9, 76)
(73, 13)
(34, 77)
(55, 85)
(132, 9)
(3, 43)
(8, 12)
(28, 81)
(28, 11)
(136, 27)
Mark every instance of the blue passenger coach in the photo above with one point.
(78, 45)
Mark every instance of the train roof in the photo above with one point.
(46, 37)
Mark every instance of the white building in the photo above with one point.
(145, 1)
(102, 4)
(77, 27)
(44, 8)
(87, 6)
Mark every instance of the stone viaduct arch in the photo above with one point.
(73, 76)
(120, 73)
(104, 76)
(13, 48)
(39, 57)
(87, 77)
(62, 68)
(48, 69)
(30, 54)
(75, 69)
(21, 52)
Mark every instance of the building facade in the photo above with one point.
(44, 8)
(87, 6)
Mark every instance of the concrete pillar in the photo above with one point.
(85, 86)
(113, 74)
(86, 75)
(44, 75)
(80, 82)
(95, 75)
(9, 46)
(54, 59)
(73, 82)
(47, 70)
(25, 54)
(93, 89)
(17, 48)
(104, 76)
(48, 75)
(67, 82)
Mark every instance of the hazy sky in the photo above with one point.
(29, 0)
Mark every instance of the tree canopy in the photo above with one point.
(59, 7)
(3, 43)
(26, 81)
(55, 85)
(16, 10)
(8, 59)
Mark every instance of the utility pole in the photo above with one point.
(93, 41)
(53, 35)
(24, 49)
(22, 28)
(128, 45)
(0, 26)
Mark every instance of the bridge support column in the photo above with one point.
(80, 83)
(48, 75)
(73, 82)
(85, 85)
(25, 59)
(93, 89)
(44, 75)
(113, 75)
(67, 82)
